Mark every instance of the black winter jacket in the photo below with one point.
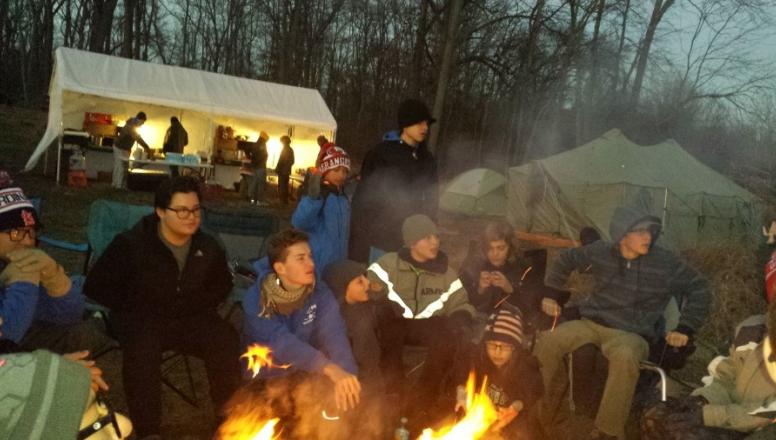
(138, 275)
(397, 181)
(520, 379)
(285, 161)
(528, 287)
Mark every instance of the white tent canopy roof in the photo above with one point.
(178, 87)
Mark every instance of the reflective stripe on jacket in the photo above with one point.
(420, 293)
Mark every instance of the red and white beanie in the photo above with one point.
(334, 157)
(505, 325)
(16, 210)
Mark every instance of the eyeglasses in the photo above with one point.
(495, 346)
(184, 213)
(18, 234)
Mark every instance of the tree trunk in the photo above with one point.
(128, 28)
(643, 54)
(444, 72)
(102, 23)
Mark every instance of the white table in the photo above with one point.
(203, 169)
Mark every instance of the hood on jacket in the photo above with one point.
(625, 218)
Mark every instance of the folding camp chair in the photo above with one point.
(243, 235)
(106, 220)
(588, 397)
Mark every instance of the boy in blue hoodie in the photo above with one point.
(324, 212)
(39, 305)
(299, 320)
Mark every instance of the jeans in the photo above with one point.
(120, 163)
(257, 183)
(283, 188)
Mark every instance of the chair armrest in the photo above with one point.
(66, 245)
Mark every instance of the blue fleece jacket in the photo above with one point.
(308, 339)
(23, 303)
(327, 221)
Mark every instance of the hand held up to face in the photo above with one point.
(14, 274)
(485, 281)
(499, 280)
(38, 263)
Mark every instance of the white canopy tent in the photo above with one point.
(91, 82)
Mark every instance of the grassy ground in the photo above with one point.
(65, 212)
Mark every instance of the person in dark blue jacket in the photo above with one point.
(299, 320)
(324, 212)
(39, 305)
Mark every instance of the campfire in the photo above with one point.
(480, 415)
(244, 421)
(258, 357)
(248, 428)
(248, 420)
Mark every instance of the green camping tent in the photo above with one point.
(475, 192)
(582, 187)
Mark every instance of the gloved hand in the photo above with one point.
(52, 276)
(314, 186)
(14, 274)
(32, 260)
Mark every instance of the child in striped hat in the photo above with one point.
(514, 380)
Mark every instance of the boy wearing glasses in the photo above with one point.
(39, 306)
(514, 381)
(163, 281)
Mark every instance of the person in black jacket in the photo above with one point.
(257, 153)
(175, 139)
(163, 281)
(398, 180)
(283, 168)
(493, 274)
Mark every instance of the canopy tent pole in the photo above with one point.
(59, 152)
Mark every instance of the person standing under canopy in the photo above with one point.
(128, 135)
(175, 140)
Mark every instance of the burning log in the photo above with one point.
(480, 415)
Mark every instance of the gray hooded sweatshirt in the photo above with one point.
(632, 295)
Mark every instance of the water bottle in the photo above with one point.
(402, 433)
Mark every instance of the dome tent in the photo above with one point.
(475, 192)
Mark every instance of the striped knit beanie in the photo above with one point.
(505, 325)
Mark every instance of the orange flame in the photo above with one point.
(480, 415)
(258, 357)
(247, 428)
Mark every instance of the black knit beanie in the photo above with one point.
(412, 111)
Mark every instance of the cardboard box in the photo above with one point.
(97, 129)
